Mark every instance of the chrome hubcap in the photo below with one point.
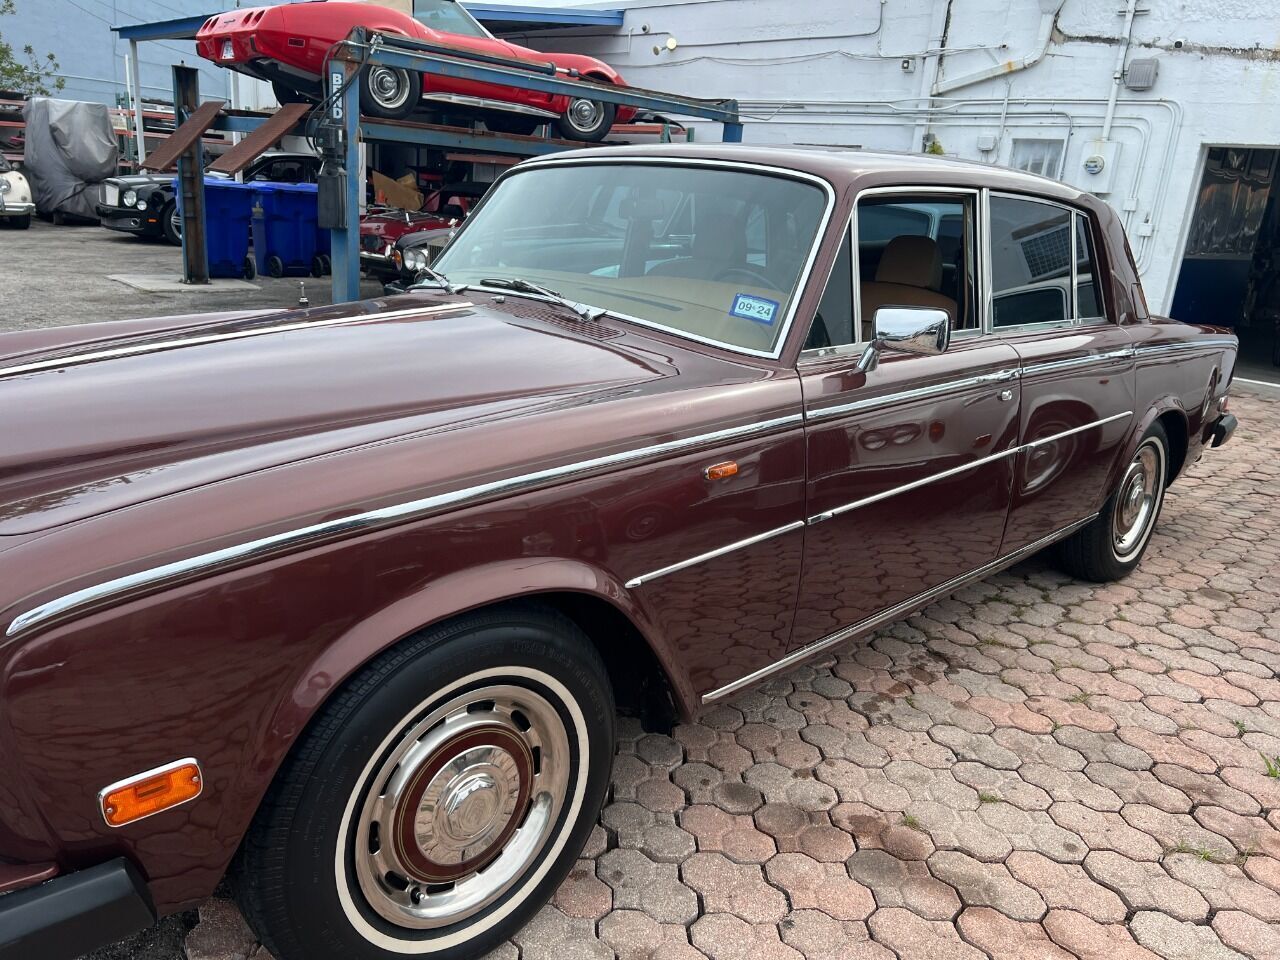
(585, 114)
(1138, 498)
(462, 806)
(390, 87)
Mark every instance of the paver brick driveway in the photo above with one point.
(1034, 767)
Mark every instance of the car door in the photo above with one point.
(910, 465)
(1077, 365)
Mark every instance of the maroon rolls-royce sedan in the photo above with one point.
(342, 602)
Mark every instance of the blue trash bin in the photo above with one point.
(227, 212)
(285, 235)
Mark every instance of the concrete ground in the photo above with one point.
(1033, 767)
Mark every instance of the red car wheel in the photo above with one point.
(389, 92)
(587, 120)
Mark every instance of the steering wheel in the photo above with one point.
(758, 279)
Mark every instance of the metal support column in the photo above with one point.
(732, 133)
(344, 113)
(140, 140)
(195, 254)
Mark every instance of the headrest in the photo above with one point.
(912, 261)
(719, 235)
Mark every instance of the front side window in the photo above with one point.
(714, 253)
(447, 16)
(917, 251)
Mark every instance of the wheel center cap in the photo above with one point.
(467, 805)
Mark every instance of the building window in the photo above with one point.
(1043, 157)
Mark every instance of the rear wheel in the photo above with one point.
(438, 800)
(275, 266)
(389, 92)
(1111, 546)
(587, 120)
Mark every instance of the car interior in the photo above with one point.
(912, 252)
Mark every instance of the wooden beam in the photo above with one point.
(277, 126)
(165, 156)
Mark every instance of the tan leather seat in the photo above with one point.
(719, 244)
(909, 275)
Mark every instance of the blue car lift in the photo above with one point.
(338, 128)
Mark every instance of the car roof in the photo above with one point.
(842, 166)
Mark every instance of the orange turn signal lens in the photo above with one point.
(721, 471)
(150, 793)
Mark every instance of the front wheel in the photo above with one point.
(389, 93)
(1111, 546)
(439, 799)
(587, 120)
(171, 223)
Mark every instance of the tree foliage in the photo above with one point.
(22, 70)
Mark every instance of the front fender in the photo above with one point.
(449, 596)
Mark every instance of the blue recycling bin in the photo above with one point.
(227, 213)
(286, 239)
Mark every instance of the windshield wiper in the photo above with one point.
(437, 279)
(585, 310)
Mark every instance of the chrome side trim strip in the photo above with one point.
(1147, 349)
(371, 519)
(917, 393)
(712, 554)
(913, 485)
(155, 346)
(924, 481)
(1080, 429)
(1123, 354)
(866, 501)
(892, 613)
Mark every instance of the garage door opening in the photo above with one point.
(1230, 274)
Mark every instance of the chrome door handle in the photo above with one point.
(1005, 394)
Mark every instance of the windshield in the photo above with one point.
(447, 16)
(713, 253)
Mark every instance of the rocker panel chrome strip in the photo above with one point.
(892, 613)
(155, 577)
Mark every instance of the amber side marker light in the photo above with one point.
(152, 792)
(721, 471)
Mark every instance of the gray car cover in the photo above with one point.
(70, 149)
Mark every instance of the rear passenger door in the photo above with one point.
(1077, 365)
(909, 465)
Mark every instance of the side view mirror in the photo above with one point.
(925, 331)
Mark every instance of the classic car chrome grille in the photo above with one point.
(111, 195)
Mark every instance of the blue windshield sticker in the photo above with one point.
(755, 309)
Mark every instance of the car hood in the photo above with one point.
(139, 180)
(93, 425)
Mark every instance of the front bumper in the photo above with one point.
(128, 220)
(379, 266)
(1223, 428)
(15, 209)
(71, 915)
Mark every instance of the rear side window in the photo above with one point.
(1034, 247)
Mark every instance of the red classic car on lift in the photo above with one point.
(287, 46)
(342, 602)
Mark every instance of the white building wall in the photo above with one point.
(832, 72)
